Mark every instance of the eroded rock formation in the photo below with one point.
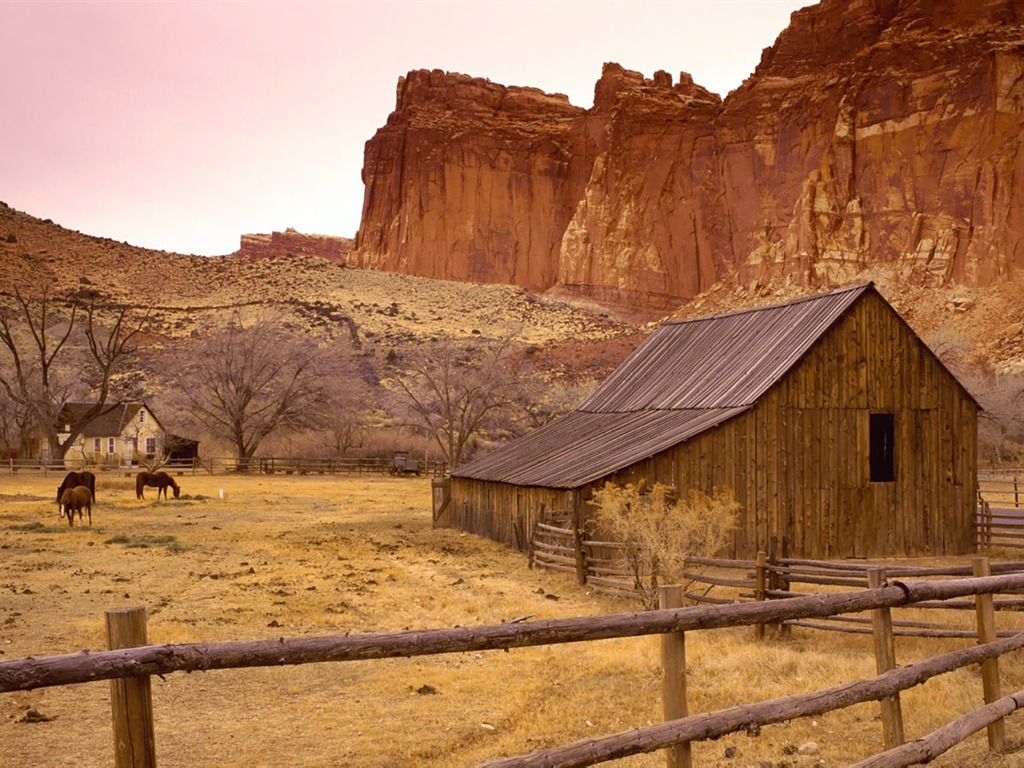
(872, 131)
(293, 243)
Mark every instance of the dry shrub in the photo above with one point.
(661, 533)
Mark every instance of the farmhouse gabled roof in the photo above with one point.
(686, 378)
(111, 421)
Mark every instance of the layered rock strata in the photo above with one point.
(293, 243)
(872, 131)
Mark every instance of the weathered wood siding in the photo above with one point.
(798, 461)
(503, 512)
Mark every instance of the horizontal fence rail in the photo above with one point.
(713, 725)
(83, 667)
(605, 567)
(1000, 518)
(227, 465)
(142, 661)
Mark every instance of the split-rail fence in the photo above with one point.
(130, 663)
(223, 465)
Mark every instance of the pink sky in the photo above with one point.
(182, 125)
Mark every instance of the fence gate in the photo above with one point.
(441, 488)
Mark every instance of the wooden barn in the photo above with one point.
(838, 431)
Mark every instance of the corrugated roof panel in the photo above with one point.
(580, 447)
(723, 361)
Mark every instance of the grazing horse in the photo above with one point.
(76, 479)
(159, 480)
(75, 500)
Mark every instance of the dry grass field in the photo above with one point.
(302, 556)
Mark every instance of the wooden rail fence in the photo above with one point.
(717, 581)
(225, 465)
(132, 709)
(1000, 517)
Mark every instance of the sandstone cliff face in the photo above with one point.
(872, 131)
(902, 145)
(470, 180)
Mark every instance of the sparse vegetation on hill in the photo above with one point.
(375, 317)
(569, 344)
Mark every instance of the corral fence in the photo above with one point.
(226, 465)
(603, 567)
(130, 663)
(1000, 519)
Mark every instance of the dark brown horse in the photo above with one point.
(76, 479)
(159, 480)
(75, 500)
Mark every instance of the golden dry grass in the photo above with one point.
(287, 556)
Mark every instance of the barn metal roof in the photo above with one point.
(582, 446)
(687, 377)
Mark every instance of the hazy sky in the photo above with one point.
(182, 125)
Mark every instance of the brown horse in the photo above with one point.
(75, 479)
(159, 480)
(75, 500)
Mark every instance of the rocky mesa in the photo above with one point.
(873, 132)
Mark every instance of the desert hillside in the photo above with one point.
(982, 326)
(380, 311)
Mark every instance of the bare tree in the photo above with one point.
(246, 382)
(457, 392)
(661, 533)
(15, 427)
(1001, 423)
(56, 351)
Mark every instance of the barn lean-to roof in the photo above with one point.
(686, 378)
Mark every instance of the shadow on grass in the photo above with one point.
(37, 527)
(171, 543)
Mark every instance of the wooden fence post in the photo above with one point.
(131, 700)
(577, 539)
(885, 660)
(673, 666)
(759, 589)
(985, 609)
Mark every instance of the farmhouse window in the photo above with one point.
(150, 447)
(96, 445)
(882, 453)
(142, 417)
(110, 446)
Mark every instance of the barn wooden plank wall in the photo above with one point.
(503, 512)
(798, 461)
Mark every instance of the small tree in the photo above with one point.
(660, 534)
(244, 383)
(456, 392)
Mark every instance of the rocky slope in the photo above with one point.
(380, 312)
(874, 132)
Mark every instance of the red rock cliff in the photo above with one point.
(872, 131)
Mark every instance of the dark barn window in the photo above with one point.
(883, 438)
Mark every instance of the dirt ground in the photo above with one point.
(244, 558)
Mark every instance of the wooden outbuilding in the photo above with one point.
(836, 428)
